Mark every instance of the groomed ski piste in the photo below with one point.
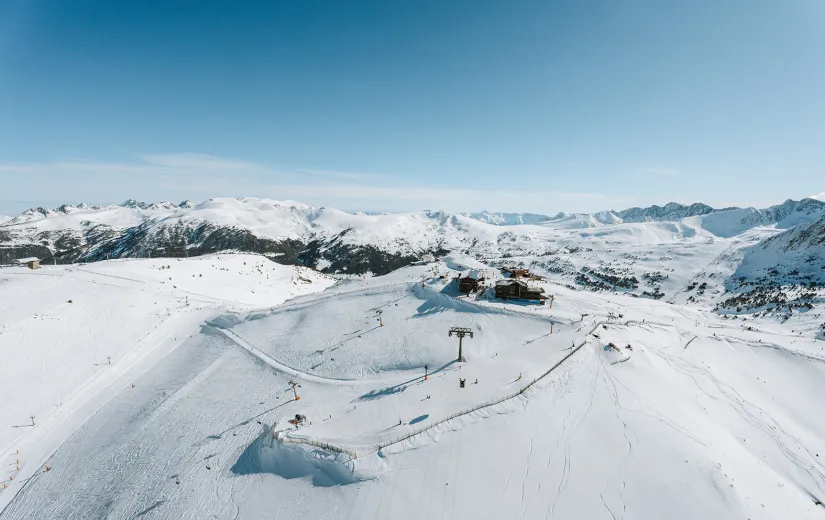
(170, 398)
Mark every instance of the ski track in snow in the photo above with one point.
(759, 418)
(531, 457)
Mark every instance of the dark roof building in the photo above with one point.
(512, 289)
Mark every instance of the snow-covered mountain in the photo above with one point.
(670, 211)
(582, 220)
(795, 256)
(779, 274)
(598, 251)
(132, 203)
(507, 219)
(791, 213)
(40, 213)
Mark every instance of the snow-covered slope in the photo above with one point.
(71, 336)
(668, 412)
(793, 257)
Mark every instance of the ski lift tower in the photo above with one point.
(460, 332)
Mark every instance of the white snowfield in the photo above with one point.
(72, 336)
(667, 411)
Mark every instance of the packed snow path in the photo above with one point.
(234, 337)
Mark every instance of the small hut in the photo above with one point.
(31, 262)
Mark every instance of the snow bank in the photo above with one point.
(298, 461)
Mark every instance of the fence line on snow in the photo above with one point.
(354, 452)
(323, 445)
(489, 403)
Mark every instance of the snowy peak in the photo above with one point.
(354, 243)
(507, 219)
(792, 212)
(670, 211)
(582, 220)
(134, 204)
(607, 218)
(800, 238)
(39, 213)
(795, 256)
(31, 215)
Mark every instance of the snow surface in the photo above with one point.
(670, 411)
(795, 255)
(61, 326)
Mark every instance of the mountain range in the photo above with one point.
(592, 250)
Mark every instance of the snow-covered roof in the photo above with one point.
(25, 260)
(508, 281)
(473, 274)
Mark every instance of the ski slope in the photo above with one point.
(71, 336)
(703, 416)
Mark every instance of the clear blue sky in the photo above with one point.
(394, 105)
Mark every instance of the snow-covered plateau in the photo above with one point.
(152, 365)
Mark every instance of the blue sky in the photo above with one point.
(539, 106)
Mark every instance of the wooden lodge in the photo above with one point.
(512, 289)
(470, 281)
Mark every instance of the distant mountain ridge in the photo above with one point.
(670, 211)
(507, 219)
(356, 243)
(132, 203)
(38, 213)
